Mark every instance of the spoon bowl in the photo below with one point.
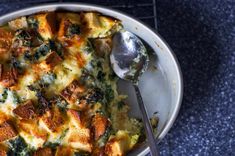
(129, 56)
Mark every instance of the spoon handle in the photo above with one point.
(148, 128)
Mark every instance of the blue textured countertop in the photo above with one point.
(202, 34)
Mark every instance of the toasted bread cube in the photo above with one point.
(3, 117)
(46, 24)
(53, 119)
(110, 26)
(96, 25)
(8, 76)
(98, 151)
(119, 144)
(43, 152)
(52, 59)
(64, 151)
(103, 46)
(72, 91)
(18, 23)
(74, 117)
(3, 150)
(6, 37)
(31, 127)
(62, 28)
(91, 24)
(78, 136)
(26, 110)
(7, 131)
(100, 124)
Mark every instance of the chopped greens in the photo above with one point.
(73, 29)
(45, 81)
(109, 93)
(23, 34)
(57, 47)
(18, 147)
(120, 105)
(24, 37)
(89, 48)
(57, 142)
(101, 76)
(32, 22)
(94, 95)
(28, 56)
(62, 104)
(4, 96)
(52, 145)
(16, 98)
(42, 51)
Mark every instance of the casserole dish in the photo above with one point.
(161, 85)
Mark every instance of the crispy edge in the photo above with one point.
(43, 152)
(3, 150)
(7, 131)
(79, 137)
(53, 119)
(99, 125)
(63, 151)
(18, 23)
(72, 91)
(46, 27)
(8, 77)
(26, 110)
(50, 62)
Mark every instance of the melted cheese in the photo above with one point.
(33, 141)
(8, 105)
(67, 67)
(24, 82)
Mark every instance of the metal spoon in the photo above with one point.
(129, 60)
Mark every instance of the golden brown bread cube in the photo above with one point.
(30, 127)
(18, 23)
(99, 124)
(78, 136)
(64, 151)
(43, 152)
(53, 119)
(3, 150)
(6, 37)
(72, 91)
(7, 131)
(52, 59)
(8, 76)
(46, 24)
(26, 110)
(119, 144)
(96, 25)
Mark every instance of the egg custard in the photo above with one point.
(58, 93)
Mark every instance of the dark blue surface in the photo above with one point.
(202, 34)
